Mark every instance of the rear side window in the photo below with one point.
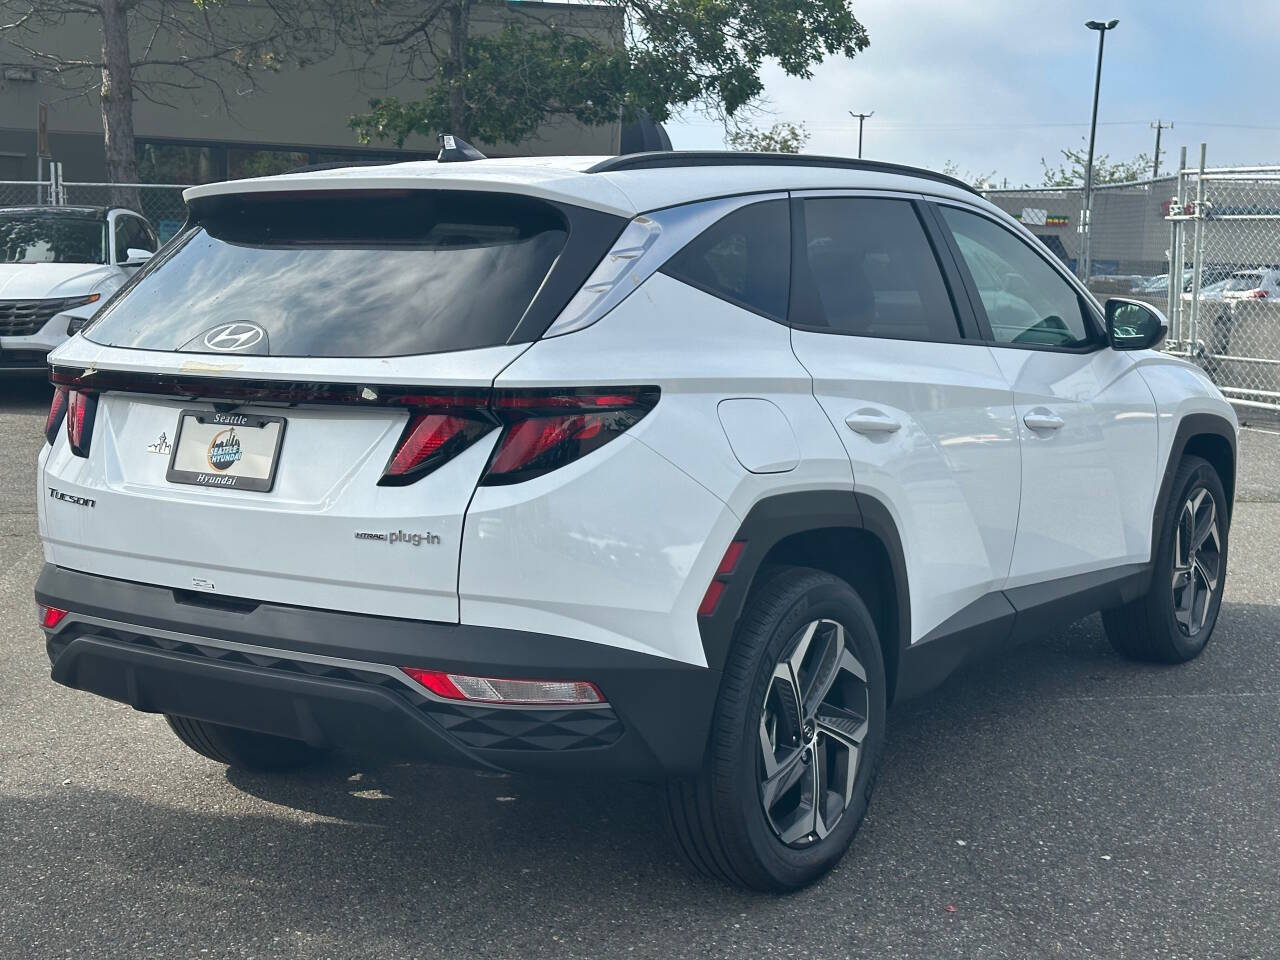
(865, 266)
(360, 274)
(743, 258)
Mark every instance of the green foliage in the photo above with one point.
(979, 181)
(780, 138)
(704, 54)
(1070, 172)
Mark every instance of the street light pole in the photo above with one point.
(861, 117)
(1086, 225)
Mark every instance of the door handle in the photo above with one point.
(871, 422)
(1042, 418)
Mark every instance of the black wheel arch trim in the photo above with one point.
(774, 519)
(1191, 426)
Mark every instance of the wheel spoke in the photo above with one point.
(1205, 524)
(1181, 576)
(787, 688)
(1207, 567)
(783, 777)
(1185, 610)
(819, 764)
(827, 663)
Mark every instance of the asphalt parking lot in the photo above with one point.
(1057, 802)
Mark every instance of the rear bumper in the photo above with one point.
(333, 680)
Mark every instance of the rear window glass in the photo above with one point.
(1243, 281)
(744, 258)
(363, 274)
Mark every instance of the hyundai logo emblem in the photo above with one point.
(234, 336)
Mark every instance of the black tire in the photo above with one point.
(1149, 628)
(718, 819)
(243, 749)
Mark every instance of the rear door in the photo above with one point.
(1085, 416)
(292, 402)
(926, 416)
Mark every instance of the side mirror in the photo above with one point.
(1134, 325)
(136, 257)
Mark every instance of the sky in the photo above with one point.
(996, 85)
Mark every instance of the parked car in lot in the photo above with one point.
(674, 466)
(1258, 284)
(58, 264)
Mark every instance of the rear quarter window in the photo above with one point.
(359, 274)
(744, 258)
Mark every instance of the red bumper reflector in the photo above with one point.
(538, 693)
(728, 564)
(711, 599)
(50, 617)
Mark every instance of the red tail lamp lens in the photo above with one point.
(547, 693)
(547, 430)
(57, 410)
(429, 441)
(81, 408)
(50, 617)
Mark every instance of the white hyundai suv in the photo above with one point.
(58, 264)
(672, 466)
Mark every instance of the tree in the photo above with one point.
(500, 84)
(780, 138)
(982, 181)
(1070, 173)
(187, 45)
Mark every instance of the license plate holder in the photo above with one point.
(228, 451)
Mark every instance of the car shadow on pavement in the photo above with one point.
(485, 864)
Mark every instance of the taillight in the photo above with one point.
(546, 429)
(57, 410)
(1256, 294)
(81, 409)
(428, 441)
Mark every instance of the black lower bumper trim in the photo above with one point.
(323, 677)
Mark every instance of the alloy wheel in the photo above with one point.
(1197, 562)
(812, 726)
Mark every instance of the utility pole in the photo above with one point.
(1155, 164)
(861, 119)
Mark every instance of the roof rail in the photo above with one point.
(732, 158)
(337, 165)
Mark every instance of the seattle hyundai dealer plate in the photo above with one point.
(232, 450)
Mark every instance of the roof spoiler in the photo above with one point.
(455, 150)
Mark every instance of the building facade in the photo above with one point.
(291, 118)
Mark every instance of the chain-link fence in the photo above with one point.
(1226, 224)
(1222, 297)
(162, 204)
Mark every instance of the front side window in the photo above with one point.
(1026, 301)
(865, 266)
(36, 237)
(359, 274)
(743, 258)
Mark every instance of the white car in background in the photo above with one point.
(57, 266)
(1263, 283)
